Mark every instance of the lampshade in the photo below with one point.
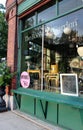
(67, 30)
(49, 32)
(27, 57)
(80, 51)
(49, 35)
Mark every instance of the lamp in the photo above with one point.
(80, 51)
(27, 57)
(49, 32)
(67, 30)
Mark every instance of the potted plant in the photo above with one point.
(2, 88)
(7, 78)
(5, 82)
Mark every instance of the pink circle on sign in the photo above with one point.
(25, 79)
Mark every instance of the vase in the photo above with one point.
(2, 101)
(7, 90)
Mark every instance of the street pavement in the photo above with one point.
(15, 120)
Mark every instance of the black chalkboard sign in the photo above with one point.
(69, 84)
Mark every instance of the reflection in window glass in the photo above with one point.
(56, 29)
(28, 22)
(66, 5)
(31, 56)
(48, 13)
(60, 39)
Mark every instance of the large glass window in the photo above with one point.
(31, 55)
(29, 21)
(67, 5)
(57, 44)
(48, 13)
(61, 38)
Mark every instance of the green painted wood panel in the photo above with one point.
(70, 117)
(51, 115)
(39, 112)
(62, 110)
(72, 101)
(26, 5)
(27, 104)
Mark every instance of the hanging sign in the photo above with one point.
(25, 79)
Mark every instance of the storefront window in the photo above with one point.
(61, 38)
(67, 5)
(59, 51)
(58, 30)
(29, 21)
(31, 60)
(48, 13)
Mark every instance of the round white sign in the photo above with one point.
(25, 79)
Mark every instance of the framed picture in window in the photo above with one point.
(69, 84)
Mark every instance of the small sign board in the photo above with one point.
(69, 84)
(25, 79)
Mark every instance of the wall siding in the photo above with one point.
(26, 5)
